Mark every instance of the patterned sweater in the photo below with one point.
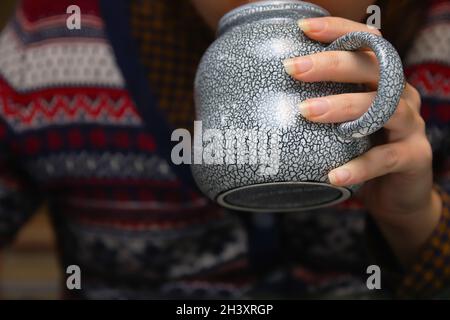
(85, 122)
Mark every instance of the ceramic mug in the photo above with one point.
(258, 152)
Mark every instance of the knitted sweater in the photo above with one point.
(85, 122)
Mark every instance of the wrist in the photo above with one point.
(411, 230)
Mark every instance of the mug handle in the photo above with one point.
(390, 85)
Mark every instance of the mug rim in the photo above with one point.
(269, 5)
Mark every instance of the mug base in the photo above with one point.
(283, 196)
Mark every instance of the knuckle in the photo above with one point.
(376, 32)
(328, 23)
(425, 152)
(428, 155)
(348, 108)
(407, 115)
(334, 61)
(421, 124)
(339, 22)
(372, 57)
(373, 30)
(391, 158)
(401, 112)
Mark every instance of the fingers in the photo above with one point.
(412, 96)
(407, 149)
(378, 161)
(337, 66)
(404, 122)
(328, 29)
(409, 156)
(350, 106)
(337, 108)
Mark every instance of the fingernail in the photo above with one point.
(289, 66)
(314, 107)
(339, 176)
(297, 65)
(311, 25)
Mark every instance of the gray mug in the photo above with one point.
(257, 152)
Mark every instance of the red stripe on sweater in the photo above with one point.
(430, 78)
(438, 113)
(52, 103)
(39, 10)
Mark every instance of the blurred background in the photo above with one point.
(29, 268)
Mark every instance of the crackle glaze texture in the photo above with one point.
(241, 84)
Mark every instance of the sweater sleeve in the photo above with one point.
(19, 194)
(429, 276)
(19, 197)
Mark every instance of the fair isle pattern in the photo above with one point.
(170, 289)
(73, 62)
(430, 80)
(144, 250)
(141, 254)
(428, 53)
(101, 165)
(71, 134)
(431, 44)
(431, 274)
(64, 109)
(49, 29)
(35, 60)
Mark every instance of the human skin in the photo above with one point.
(397, 172)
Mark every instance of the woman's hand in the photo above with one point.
(397, 171)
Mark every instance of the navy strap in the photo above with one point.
(116, 15)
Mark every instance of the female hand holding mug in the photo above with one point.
(397, 171)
